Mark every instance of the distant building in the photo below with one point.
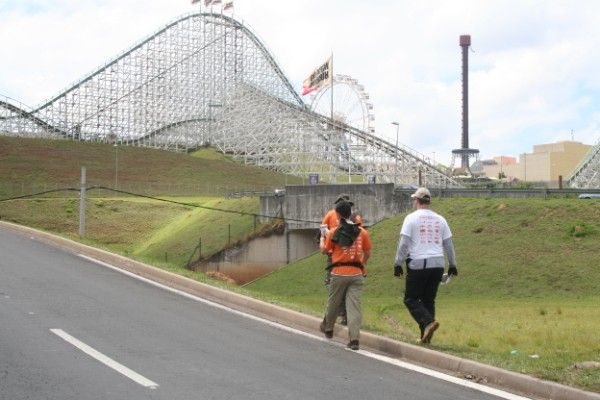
(545, 164)
(498, 167)
(506, 160)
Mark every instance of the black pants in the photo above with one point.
(420, 292)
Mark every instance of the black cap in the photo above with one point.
(343, 197)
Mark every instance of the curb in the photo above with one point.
(524, 384)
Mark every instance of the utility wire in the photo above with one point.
(40, 193)
(163, 200)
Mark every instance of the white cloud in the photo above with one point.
(532, 74)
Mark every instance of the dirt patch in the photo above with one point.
(586, 365)
(239, 274)
(221, 277)
(398, 327)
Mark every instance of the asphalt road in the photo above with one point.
(185, 349)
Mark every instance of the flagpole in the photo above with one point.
(331, 77)
(199, 5)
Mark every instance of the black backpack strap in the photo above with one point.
(349, 264)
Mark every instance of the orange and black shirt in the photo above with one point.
(353, 254)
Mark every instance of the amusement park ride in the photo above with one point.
(206, 79)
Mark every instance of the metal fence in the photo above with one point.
(505, 192)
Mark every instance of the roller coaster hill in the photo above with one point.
(206, 79)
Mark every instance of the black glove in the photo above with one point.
(452, 270)
(398, 270)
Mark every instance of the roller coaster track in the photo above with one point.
(380, 144)
(207, 78)
(587, 174)
(170, 25)
(19, 111)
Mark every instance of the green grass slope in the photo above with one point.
(28, 165)
(526, 297)
(159, 233)
(216, 230)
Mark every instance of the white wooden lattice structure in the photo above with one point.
(203, 79)
(587, 174)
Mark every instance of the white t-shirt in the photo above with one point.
(426, 230)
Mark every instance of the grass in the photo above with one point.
(215, 230)
(208, 153)
(34, 165)
(158, 233)
(528, 283)
(151, 231)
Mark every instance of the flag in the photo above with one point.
(319, 77)
(227, 5)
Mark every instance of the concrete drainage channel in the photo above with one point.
(259, 256)
(493, 376)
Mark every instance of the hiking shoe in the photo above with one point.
(353, 345)
(428, 331)
(328, 334)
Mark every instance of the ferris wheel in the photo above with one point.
(350, 103)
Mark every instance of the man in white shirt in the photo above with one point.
(424, 238)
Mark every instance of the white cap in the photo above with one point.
(421, 193)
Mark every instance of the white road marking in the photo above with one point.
(445, 377)
(109, 362)
(425, 371)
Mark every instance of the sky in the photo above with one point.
(533, 65)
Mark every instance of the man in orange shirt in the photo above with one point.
(331, 220)
(350, 248)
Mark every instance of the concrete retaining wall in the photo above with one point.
(304, 206)
(505, 193)
(263, 254)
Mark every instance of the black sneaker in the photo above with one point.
(353, 345)
(328, 334)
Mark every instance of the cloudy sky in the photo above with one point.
(533, 66)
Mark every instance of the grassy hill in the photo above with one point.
(160, 233)
(34, 165)
(526, 297)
